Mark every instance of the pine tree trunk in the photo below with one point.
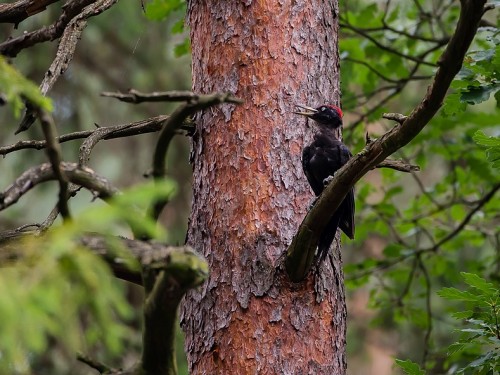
(250, 193)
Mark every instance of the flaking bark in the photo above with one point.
(250, 193)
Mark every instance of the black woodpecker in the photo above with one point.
(320, 160)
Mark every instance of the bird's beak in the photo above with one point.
(310, 111)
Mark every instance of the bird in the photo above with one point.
(320, 160)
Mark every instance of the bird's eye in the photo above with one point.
(322, 109)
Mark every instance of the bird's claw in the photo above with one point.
(327, 180)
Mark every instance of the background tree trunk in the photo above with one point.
(250, 193)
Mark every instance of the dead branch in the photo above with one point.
(20, 10)
(71, 34)
(85, 177)
(150, 125)
(175, 121)
(398, 165)
(134, 96)
(81, 8)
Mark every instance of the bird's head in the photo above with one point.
(328, 116)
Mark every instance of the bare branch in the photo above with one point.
(82, 9)
(305, 241)
(398, 117)
(150, 125)
(85, 177)
(385, 78)
(366, 35)
(175, 121)
(382, 265)
(20, 10)
(98, 366)
(398, 165)
(387, 27)
(134, 96)
(65, 51)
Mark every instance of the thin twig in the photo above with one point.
(384, 47)
(466, 220)
(71, 33)
(384, 264)
(96, 365)
(428, 309)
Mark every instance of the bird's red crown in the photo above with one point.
(335, 108)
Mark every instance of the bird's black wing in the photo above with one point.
(322, 159)
(310, 166)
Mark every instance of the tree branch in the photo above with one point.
(134, 96)
(466, 220)
(398, 165)
(55, 158)
(305, 241)
(168, 272)
(72, 9)
(98, 366)
(175, 121)
(150, 125)
(384, 264)
(398, 117)
(85, 177)
(71, 35)
(366, 35)
(165, 284)
(20, 10)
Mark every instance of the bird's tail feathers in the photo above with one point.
(326, 239)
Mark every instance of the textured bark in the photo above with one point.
(250, 193)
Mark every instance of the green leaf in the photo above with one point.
(183, 48)
(492, 145)
(178, 27)
(483, 140)
(393, 250)
(410, 367)
(458, 295)
(18, 88)
(479, 283)
(158, 10)
(479, 94)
